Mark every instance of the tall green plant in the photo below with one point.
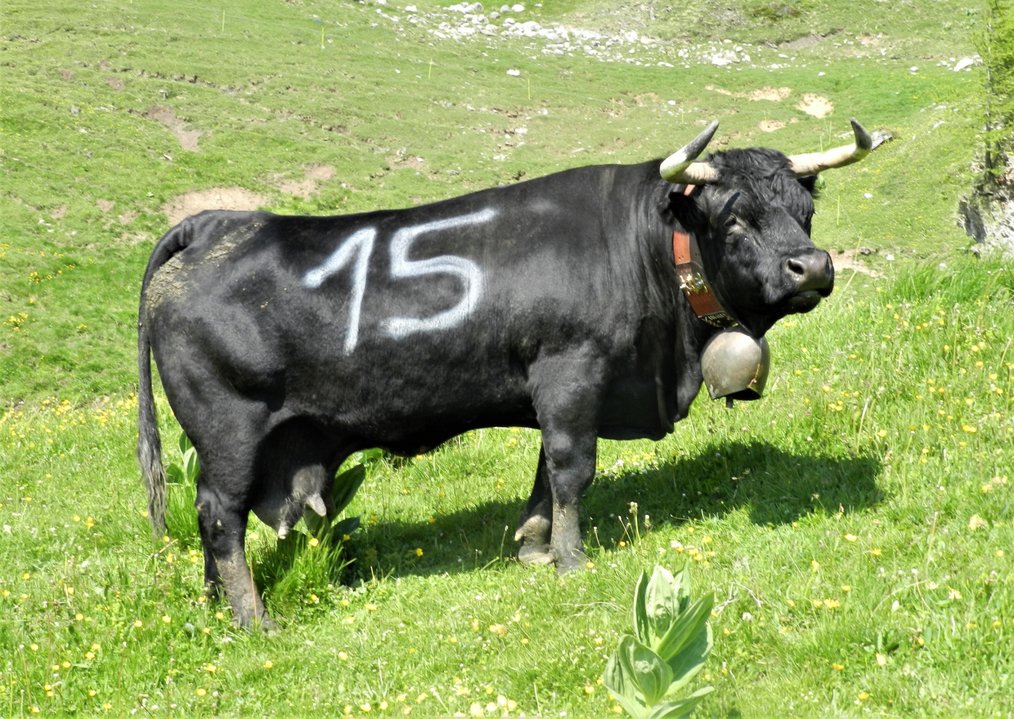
(671, 641)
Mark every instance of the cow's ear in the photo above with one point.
(810, 183)
(681, 207)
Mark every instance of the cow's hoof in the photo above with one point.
(267, 626)
(536, 554)
(213, 590)
(571, 562)
(262, 623)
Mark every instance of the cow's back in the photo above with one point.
(394, 323)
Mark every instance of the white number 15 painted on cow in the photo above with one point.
(358, 247)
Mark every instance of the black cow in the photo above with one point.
(284, 344)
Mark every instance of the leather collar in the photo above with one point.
(695, 286)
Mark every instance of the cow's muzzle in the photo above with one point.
(811, 271)
(810, 276)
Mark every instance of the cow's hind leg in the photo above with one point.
(537, 520)
(222, 521)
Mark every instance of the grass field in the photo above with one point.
(855, 525)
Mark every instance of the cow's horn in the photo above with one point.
(815, 162)
(680, 166)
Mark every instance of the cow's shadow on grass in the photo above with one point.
(775, 487)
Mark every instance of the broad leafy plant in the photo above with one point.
(185, 468)
(652, 667)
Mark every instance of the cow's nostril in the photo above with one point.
(795, 267)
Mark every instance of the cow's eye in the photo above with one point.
(732, 221)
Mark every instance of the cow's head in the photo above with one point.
(750, 212)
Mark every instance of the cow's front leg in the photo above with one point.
(570, 460)
(566, 389)
(223, 527)
(537, 520)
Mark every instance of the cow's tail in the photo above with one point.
(149, 444)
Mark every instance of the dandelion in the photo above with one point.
(837, 667)
(268, 664)
(166, 619)
(851, 537)
(313, 542)
(498, 629)
(201, 691)
(975, 523)
(418, 551)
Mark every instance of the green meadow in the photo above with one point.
(855, 525)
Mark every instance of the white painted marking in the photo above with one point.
(466, 270)
(360, 245)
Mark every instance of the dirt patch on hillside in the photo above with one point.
(187, 137)
(763, 94)
(770, 94)
(815, 105)
(313, 175)
(849, 260)
(216, 198)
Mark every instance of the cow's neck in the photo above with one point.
(694, 284)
